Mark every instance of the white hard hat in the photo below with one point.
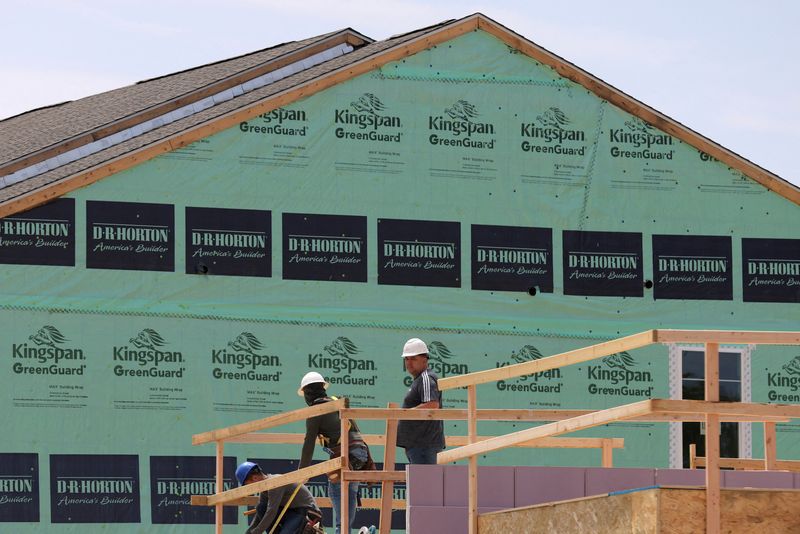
(311, 377)
(414, 347)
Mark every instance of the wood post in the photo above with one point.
(472, 433)
(344, 440)
(608, 453)
(693, 456)
(220, 487)
(770, 446)
(387, 486)
(712, 441)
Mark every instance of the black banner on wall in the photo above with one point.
(130, 236)
(419, 253)
(173, 481)
(771, 270)
(605, 264)
(324, 247)
(40, 236)
(19, 488)
(231, 242)
(692, 267)
(511, 258)
(88, 488)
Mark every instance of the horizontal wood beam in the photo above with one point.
(302, 414)
(726, 408)
(276, 481)
(374, 476)
(547, 430)
(727, 337)
(322, 502)
(563, 359)
(379, 440)
(751, 464)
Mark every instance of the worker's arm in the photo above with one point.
(312, 429)
(427, 405)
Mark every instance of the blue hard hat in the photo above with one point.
(244, 470)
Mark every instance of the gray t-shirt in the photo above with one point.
(429, 434)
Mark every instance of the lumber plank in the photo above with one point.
(729, 337)
(301, 414)
(550, 429)
(551, 362)
(276, 481)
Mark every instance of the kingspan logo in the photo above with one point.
(785, 384)
(243, 359)
(552, 129)
(365, 121)
(342, 360)
(279, 122)
(144, 356)
(618, 371)
(462, 128)
(549, 381)
(46, 354)
(639, 135)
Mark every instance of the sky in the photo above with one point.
(727, 69)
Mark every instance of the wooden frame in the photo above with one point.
(711, 411)
(469, 447)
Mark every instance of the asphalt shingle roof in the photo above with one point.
(171, 87)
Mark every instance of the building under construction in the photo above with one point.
(178, 253)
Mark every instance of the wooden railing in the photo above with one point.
(711, 411)
(469, 447)
(250, 432)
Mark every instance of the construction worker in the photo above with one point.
(297, 504)
(422, 440)
(327, 428)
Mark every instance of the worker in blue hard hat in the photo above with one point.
(291, 506)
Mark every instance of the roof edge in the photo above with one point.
(344, 36)
(436, 36)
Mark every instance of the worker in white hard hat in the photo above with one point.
(422, 440)
(328, 428)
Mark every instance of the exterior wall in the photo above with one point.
(158, 324)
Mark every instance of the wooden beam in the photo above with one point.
(693, 456)
(472, 472)
(302, 414)
(645, 112)
(711, 382)
(552, 362)
(712, 474)
(770, 447)
(276, 481)
(727, 337)
(551, 429)
(374, 476)
(751, 464)
(731, 409)
(344, 486)
(220, 478)
(322, 502)
(387, 486)
(607, 454)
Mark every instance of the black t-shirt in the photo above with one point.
(424, 388)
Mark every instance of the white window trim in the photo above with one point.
(676, 388)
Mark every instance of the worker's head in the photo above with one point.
(249, 472)
(415, 356)
(312, 387)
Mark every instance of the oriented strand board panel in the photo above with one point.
(657, 511)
